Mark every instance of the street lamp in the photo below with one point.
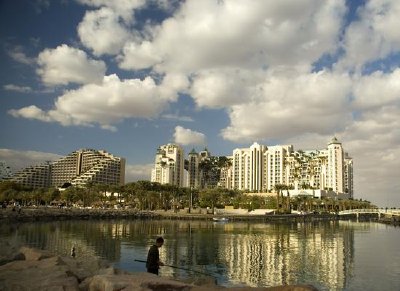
(191, 200)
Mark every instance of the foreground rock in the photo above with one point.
(31, 269)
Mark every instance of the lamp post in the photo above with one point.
(191, 200)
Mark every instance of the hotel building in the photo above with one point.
(169, 165)
(78, 168)
(260, 168)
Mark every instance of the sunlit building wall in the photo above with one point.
(248, 168)
(169, 165)
(335, 166)
(78, 168)
(5, 171)
(322, 169)
(38, 176)
(348, 175)
(276, 160)
(193, 169)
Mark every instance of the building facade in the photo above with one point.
(261, 168)
(169, 165)
(5, 171)
(78, 168)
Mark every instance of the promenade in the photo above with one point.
(52, 213)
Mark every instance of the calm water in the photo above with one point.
(339, 255)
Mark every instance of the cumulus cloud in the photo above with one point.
(376, 29)
(109, 102)
(377, 89)
(221, 88)
(135, 173)
(123, 8)
(16, 88)
(31, 112)
(316, 102)
(103, 31)
(186, 136)
(65, 64)
(18, 160)
(209, 34)
(17, 54)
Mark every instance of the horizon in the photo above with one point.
(136, 74)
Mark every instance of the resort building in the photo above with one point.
(78, 168)
(37, 176)
(262, 168)
(259, 168)
(169, 165)
(193, 175)
(5, 171)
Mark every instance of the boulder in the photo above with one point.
(38, 270)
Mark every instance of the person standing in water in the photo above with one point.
(153, 262)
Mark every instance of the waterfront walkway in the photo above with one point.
(379, 211)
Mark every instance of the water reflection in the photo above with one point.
(236, 254)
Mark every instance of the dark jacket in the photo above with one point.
(153, 258)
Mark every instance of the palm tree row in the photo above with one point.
(145, 195)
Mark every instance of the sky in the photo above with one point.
(128, 76)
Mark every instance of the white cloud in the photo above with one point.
(210, 34)
(135, 173)
(287, 106)
(103, 31)
(377, 90)
(224, 87)
(186, 136)
(18, 55)
(108, 103)
(123, 8)
(31, 112)
(374, 36)
(16, 88)
(18, 160)
(65, 64)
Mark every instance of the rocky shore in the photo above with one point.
(31, 269)
(23, 268)
(51, 213)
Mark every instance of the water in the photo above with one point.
(339, 255)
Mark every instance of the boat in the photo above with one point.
(220, 219)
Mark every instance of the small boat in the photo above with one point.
(220, 219)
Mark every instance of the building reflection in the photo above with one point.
(251, 254)
(269, 255)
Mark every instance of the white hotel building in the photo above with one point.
(169, 165)
(261, 168)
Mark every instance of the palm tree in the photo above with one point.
(278, 188)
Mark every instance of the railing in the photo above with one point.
(380, 211)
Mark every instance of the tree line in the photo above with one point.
(146, 195)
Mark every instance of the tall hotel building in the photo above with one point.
(78, 168)
(168, 165)
(260, 168)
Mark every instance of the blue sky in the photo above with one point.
(128, 76)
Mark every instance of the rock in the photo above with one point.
(136, 281)
(34, 254)
(46, 274)
(37, 270)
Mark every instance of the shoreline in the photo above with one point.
(33, 269)
(52, 213)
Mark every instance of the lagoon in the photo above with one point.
(331, 255)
